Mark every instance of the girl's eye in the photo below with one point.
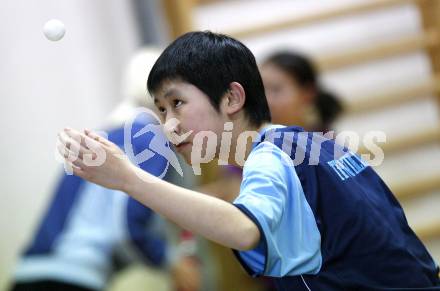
(177, 103)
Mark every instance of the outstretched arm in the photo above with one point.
(102, 162)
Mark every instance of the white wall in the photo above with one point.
(45, 86)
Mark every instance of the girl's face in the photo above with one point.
(190, 112)
(288, 101)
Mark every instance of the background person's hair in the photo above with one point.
(212, 61)
(302, 70)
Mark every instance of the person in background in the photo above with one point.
(89, 232)
(294, 94)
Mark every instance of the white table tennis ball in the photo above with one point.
(54, 30)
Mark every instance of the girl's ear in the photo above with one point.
(234, 98)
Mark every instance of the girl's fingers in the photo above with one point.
(96, 137)
(67, 140)
(91, 145)
(88, 142)
(73, 134)
(72, 159)
(88, 139)
(84, 150)
(65, 152)
(77, 171)
(76, 149)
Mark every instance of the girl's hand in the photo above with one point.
(94, 158)
(186, 274)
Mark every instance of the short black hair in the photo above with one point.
(211, 61)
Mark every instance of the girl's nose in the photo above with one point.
(171, 128)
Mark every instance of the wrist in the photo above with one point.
(135, 180)
(128, 180)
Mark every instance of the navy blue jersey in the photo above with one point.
(363, 237)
